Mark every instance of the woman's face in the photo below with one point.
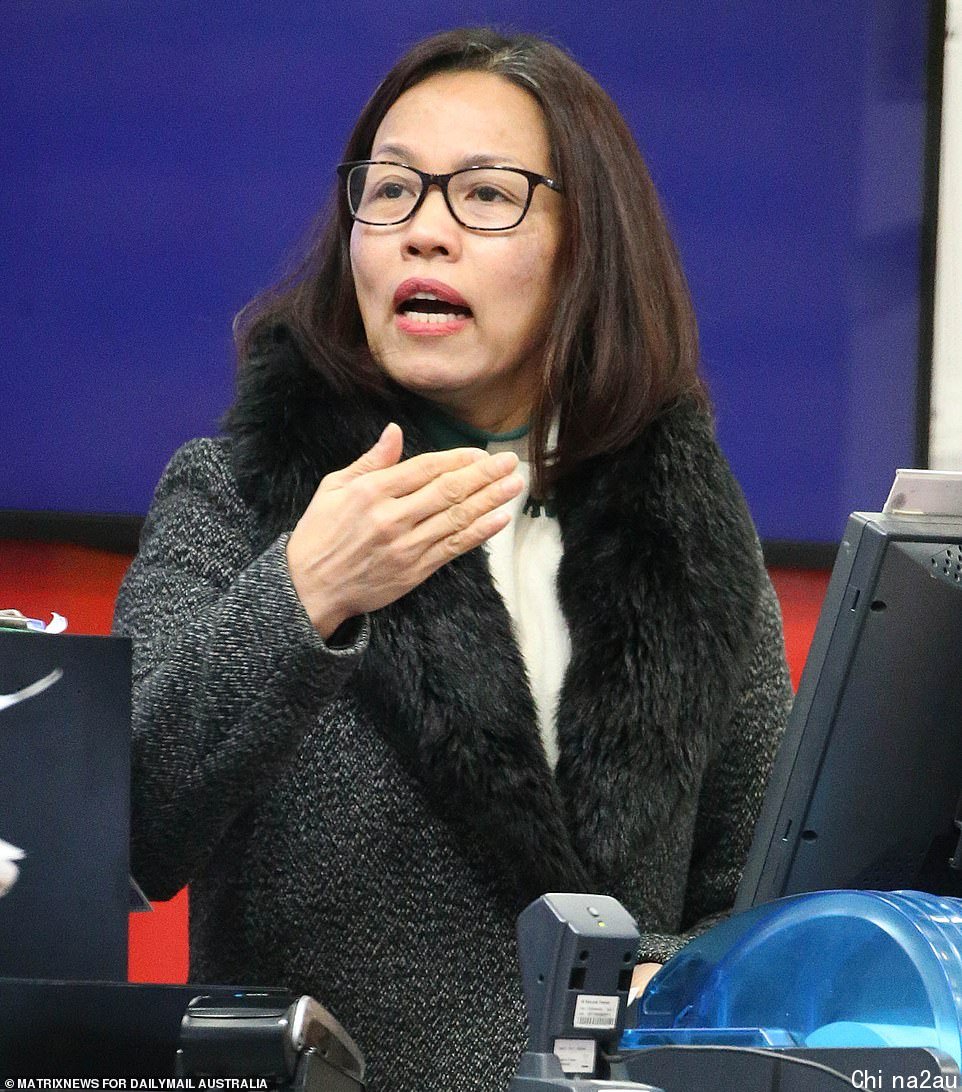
(484, 366)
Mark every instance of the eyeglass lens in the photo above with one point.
(482, 197)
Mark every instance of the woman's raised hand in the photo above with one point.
(379, 527)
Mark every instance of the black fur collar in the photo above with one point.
(658, 582)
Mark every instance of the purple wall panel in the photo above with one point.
(161, 159)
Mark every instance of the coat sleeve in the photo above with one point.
(228, 673)
(734, 785)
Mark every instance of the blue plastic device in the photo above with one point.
(826, 969)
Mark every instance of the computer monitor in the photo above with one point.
(65, 801)
(867, 784)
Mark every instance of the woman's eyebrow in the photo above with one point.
(399, 151)
(486, 159)
(404, 154)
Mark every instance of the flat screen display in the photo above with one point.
(867, 786)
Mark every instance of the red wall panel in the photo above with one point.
(81, 583)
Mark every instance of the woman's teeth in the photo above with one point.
(431, 317)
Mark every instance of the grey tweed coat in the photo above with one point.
(362, 821)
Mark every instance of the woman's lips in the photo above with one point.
(415, 285)
(430, 325)
(443, 309)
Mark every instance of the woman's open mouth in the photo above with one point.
(430, 307)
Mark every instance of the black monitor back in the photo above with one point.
(98, 1029)
(65, 776)
(866, 785)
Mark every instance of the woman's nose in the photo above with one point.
(432, 229)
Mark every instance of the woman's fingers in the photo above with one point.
(379, 527)
(384, 475)
(452, 545)
(442, 550)
(463, 521)
(452, 488)
(409, 476)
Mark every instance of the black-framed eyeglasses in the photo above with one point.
(480, 198)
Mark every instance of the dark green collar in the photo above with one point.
(446, 431)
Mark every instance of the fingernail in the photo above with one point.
(512, 485)
(505, 460)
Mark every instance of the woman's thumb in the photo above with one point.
(386, 452)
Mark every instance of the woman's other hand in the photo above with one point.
(379, 527)
(640, 977)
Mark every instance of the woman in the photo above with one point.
(368, 744)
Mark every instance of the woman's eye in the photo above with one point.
(488, 194)
(390, 190)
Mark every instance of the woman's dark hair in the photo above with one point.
(622, 343)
